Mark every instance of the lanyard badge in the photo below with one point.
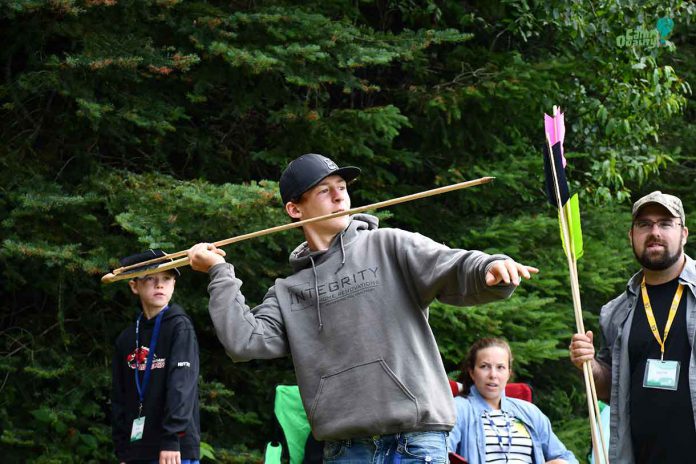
(139, 423)
(659, 373)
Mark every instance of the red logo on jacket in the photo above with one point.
(140, 355)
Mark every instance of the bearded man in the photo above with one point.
(647, 366)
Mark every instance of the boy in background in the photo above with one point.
(155, 414)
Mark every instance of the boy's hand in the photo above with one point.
(508, 272)
(205, 255)
(170, 457)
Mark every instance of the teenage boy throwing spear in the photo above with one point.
(354, 317)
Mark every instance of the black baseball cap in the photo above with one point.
(146, 256)
(307, 171)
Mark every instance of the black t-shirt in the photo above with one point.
(662, 421)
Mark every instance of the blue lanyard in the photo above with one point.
(150, 355)
(508, 427)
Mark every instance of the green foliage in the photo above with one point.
(161, 123)
(207, 452)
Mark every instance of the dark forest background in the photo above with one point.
(131, 124)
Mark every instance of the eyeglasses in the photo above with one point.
(662, 224)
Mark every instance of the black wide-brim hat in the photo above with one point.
(307, 171)
(146, 256)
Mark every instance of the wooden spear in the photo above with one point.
(179, 259)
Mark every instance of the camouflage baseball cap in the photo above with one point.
(670, 202)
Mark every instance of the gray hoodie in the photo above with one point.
(365, 357)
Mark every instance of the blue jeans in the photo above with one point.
(400, 448)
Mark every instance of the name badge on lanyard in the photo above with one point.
(138, 427)
(139, 423)
(659, 373)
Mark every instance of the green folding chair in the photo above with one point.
(604, 414)
(293, 421)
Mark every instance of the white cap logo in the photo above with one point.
(330, 164)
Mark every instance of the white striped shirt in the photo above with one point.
(500, 448)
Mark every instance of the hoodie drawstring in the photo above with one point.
(316, 292)
(343, 252)
(316, 279)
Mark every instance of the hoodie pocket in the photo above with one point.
(362, 400)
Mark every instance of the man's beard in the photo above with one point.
(659, 262)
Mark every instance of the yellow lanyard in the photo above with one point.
(651, 316)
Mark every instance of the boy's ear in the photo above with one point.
(133, 286)
(293, 210)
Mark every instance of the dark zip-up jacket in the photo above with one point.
(171, 401)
